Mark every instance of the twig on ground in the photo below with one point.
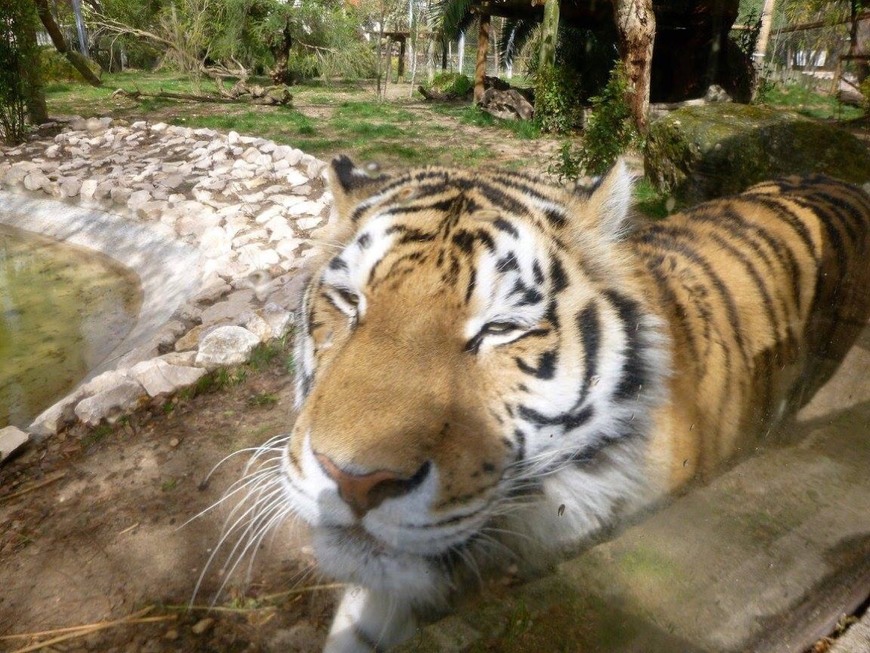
(51, 478)
(72, 632)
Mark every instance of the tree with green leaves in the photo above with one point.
(21, 96)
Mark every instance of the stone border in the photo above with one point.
(216, 226)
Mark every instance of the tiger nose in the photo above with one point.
(364, 492)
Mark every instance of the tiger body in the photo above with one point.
(487, 363)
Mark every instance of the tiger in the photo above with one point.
(492, 367)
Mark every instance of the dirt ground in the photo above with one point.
(94, 530)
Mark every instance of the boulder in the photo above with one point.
(700, 152)
(10, 439)
(226, 345)
(110, 404)
(159, 377)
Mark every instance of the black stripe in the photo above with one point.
(364, 241)
(634, 369)
(756, 277)
(788, 216)
(472, 281)
(507, 263)
(559, 280)
(537, 272)
(681, 241)
(546, 367)
(590, 336)
(730, 218)
(338, 264)
(503, 225)
(568, 420)
(521, 444)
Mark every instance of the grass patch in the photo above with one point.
(96, 435)
(650, 201)
(263, 400)
(809, 103)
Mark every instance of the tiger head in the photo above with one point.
(471, 358)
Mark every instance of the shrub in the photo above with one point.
(19, 79)
(865, 91)
(558, 100)
(610, 131)
(455, 84)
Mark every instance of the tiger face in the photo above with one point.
(466, 369)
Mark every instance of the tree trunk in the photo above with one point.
(547, 57)
(763, 34)
(76, 59)
(37, 113)
(862, 68)
(483, 29)
(400, 75)
(636, 29)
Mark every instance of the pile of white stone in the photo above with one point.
(247, 205)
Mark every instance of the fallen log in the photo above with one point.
(188, 97)
(272, 95)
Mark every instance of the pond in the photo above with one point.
(63, 310)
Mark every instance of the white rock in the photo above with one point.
(279, 229)
(269, 214)
(277, 318)
(305, 207)
(258, 326)
(120, 194)
(35, 181)
(233, 137)
(215, 241)
(93, 124)
(137, 199)
(89, 187)
(110, 404)
(159, 377)
(235, 304)
(159, 127)
(295, 178)
(10, 439)
(181, 358)
(226, 345)
(315, 168)
(308, 223)
(49, 421)
(52, 151)
(15, 175)
(287, 247)
(103, 382)
(70, 187)
(294, 156)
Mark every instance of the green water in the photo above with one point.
(63, 309)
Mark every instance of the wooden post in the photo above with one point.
(551, 35)
(636, 30)
(401, 72)
(763, 34)
(483, 30)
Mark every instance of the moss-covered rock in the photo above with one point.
(697, 153)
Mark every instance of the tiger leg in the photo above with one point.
(368, 621)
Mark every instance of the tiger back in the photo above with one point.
(489, 366)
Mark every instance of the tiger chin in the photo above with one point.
(492, 368)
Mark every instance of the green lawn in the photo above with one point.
(326, 119)
(809, 103)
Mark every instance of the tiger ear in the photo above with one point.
(351, 184)
(609, 202)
